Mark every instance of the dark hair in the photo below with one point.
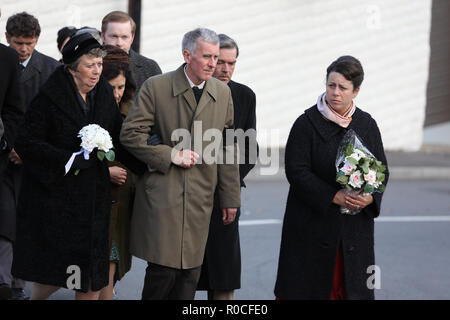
(228, 43)
(23, 25)
(350, 68)
(63, 34)
(117, 62)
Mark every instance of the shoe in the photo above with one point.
(5, 293)
(19, 294)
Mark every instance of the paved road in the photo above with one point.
(412, 241)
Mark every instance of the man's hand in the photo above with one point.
(228, 215)
(14, 157)
(117, 175)
(185, 158)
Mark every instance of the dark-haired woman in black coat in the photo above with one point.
(325, 254)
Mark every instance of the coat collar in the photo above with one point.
(180, 85)
(61, 92)
(328, 129)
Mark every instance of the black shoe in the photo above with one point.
(19, 294)
(5, 293)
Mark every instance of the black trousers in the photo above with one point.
(165, 283)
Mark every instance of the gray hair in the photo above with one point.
(191, 38)
(228, 43)
(95, 53)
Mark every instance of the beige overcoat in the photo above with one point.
(173, 205)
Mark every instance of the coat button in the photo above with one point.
(351, 249)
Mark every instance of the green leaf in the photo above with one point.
(348, 150)
(101, 155)
(110, 155)
(352, 161)
(369, 188)
(382, 187)
(342, 179)
(77, 172)
(380, 176)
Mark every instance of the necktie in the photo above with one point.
(22, 67)
(197, 93)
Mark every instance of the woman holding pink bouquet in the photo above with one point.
(324, 253)
(65, 200)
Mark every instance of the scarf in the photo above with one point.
(328, 112)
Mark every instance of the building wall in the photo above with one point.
(285, 48)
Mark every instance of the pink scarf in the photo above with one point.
(330, 114)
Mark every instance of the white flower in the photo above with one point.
(93, 136)
(356, 180)
(371, 177)
(348, 168)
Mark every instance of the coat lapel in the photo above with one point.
(32, 68)
(63, 95)
(180, 85)
(209, 93)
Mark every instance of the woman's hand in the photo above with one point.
(357, 201)
(339, 198)
(118, 175)
(352, 201)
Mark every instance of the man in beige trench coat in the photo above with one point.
(174, 197)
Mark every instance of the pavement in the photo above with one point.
(431, 161)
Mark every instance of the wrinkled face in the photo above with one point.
(340, 92)
(88, 73)
(118, 84)
(118, 34)
(23, 45)
(225, 65)
(200, 67)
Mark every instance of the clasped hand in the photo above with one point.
(352, 201)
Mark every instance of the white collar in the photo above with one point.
(200, 86)
(25, 63)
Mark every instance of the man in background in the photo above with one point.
(221, 269)
(118, 29)
(22, 34)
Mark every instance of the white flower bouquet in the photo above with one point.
(95, 137)
(358, 170)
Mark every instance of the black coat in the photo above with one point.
(11, 113)
(37, 72)
(142, 68)
(11, 107)
(221, 269)
(313, 228)
(63, 220)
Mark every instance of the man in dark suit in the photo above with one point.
(22, 34)
(118, 29)
(221, 269)
(11, 112)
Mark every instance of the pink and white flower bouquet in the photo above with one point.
(358, 171)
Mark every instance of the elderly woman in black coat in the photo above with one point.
(63, 217)
(325, 254)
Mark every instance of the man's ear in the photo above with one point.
(8, 39)
(187, 56)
